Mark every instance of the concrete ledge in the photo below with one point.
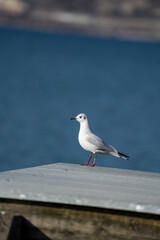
(84, 186)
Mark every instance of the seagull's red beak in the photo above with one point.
(73, 118)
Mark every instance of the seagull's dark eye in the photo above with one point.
(80, 117)
(84, 117)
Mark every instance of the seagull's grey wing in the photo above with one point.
(96, 141)
(110, 149)
(100, 145)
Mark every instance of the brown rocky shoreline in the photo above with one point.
(133, 20)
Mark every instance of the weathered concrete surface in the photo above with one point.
(84, 186)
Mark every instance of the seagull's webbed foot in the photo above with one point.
(87, 161)
(92, 165)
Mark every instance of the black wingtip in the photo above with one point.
(123, 156)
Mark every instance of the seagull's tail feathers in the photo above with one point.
(121, 155)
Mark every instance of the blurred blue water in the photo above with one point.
(47, 78)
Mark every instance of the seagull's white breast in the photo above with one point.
(82, 138)
(82, 141)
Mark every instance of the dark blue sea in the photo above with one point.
(46, 78)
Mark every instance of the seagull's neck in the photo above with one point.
(84, 127)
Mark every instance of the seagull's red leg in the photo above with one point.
(88, 160)
(94, 163)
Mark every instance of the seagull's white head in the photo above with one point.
(80, 118)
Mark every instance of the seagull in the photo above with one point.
(92, 143)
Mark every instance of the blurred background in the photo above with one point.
(60, 58)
